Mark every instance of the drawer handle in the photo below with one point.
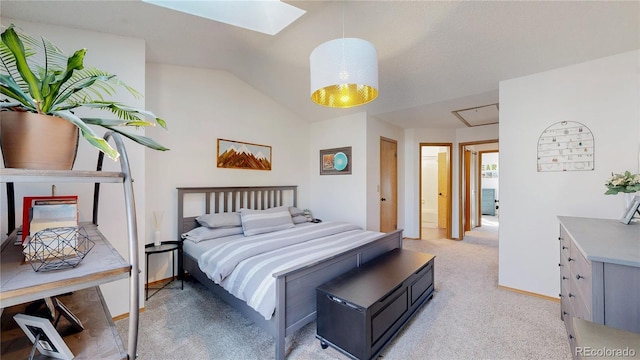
(565, 278)
(570, 337)
(560, 264)
(571, 295)
(559, 295)
(564, 247)
(578, 277)
(390, 292)
(426, 267)
(570, 259)
(560, 238)
(565, 313)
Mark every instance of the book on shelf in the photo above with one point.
(48, 215)
(29, 201)
(46, 223)
(53, 229)
(52, 242)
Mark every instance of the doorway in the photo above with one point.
(435, 190)
(388, 184)
(478, 184)
(489, 201)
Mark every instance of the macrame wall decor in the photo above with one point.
(566, 146)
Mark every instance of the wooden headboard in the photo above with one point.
(232, 199)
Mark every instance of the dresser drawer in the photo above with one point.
(581, 278)
(579, 305)
(384, 320)
(565, 246)
(565, 253)
(421, 282)
(566, 310)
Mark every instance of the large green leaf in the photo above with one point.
(98, 142)
(74, 63)
(124, 111)
(142, 140)
(14, 44)
(116, 122)
(9, 88)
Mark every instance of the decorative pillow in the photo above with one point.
(219, 220)
(262, 221)
(204, 233)
(295, 211)
(299, 219)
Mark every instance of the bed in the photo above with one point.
(294, 303)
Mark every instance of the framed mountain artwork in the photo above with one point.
(241, 155)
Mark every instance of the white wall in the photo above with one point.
(340, 197)
(204, 105)
(603, 95)
(124, 57)
(354, 197)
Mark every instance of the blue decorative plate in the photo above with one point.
(340, 161)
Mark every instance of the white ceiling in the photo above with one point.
(434, 56)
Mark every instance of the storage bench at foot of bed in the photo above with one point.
(361, 311)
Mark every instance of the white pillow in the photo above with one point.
(262, 221)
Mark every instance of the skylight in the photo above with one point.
(265, 16)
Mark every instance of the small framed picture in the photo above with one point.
(335, 161)
(45, 337)
(631, 211)
(71, 317)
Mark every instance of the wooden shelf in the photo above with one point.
(39, 176)
(99, 340)
(19, 283)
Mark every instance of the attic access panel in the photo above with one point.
(479, 115)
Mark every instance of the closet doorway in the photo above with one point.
(435, 190)
(475, 182)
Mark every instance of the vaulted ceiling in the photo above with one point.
(435, 57)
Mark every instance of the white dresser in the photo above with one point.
(599, 273)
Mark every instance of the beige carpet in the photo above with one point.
(469, 317)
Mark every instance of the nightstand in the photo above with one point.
(165, 246)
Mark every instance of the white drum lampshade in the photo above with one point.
(344, 73)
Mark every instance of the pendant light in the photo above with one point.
(344, 72)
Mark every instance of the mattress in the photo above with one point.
(244, 265)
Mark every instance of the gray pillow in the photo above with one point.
(299, 219)
(219, 220)
(204, 233)
(262, 221)
(295, 211)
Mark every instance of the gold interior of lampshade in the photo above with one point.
(344, 95)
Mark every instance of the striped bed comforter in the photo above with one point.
(245, 266)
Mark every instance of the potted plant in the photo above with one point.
(42, 88)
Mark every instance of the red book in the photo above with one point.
(27, 203)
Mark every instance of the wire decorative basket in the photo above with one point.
(57, 248)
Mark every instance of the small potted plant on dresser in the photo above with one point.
(41, 88)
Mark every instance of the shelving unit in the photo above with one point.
(103, 264)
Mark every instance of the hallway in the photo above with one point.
(489, 229)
